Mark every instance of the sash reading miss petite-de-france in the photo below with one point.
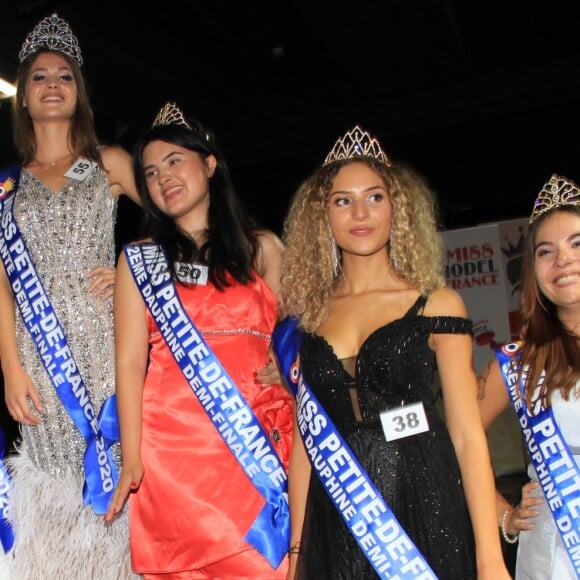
(368, 517)
(221, 399)
(41, 321)
(555, 465)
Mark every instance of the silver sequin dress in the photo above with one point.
(67, 234)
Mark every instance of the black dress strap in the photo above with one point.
(418, 306)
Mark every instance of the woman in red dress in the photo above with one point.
(192, 502)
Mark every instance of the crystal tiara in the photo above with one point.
(558, 191)
(356, 143)
(52, 33)
(170, 114)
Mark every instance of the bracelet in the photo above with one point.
(507, 537)
(295, 549)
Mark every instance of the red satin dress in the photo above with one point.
(195, 503)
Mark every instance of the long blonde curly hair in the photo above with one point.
(309, 275)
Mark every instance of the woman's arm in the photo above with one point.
(269, 259)
(131, 352)
(454, 359)
(18, 386)
(298, 483)
(493, 399)
(118, 164)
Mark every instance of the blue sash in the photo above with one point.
(555, 465)
(370, 520)
(220, 398)
(41, 321)
(6, 532)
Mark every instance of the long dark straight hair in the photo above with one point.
(231, 245)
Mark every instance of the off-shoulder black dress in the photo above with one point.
(418, 476)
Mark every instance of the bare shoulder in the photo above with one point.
(113, 155)
(445, 302)
(270, 244)
(269, 259)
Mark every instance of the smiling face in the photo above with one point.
(50, 90)
(557, 259)
(359, 211)
(178, 182)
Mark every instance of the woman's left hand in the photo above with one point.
(101, 282)
(520, 517)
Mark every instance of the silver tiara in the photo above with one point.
(558, 191)
(357, 143)
(170, 114)
(52, 33)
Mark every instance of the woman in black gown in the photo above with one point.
(363, 275)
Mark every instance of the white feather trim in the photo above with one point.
(56, 535)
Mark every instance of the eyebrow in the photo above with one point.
(549, 243)
(165, 158)
(371, 188)
(44, 68)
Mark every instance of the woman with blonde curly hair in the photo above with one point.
(362, 275)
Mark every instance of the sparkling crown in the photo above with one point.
(558, 191)
(170, 114)
(52, 33)
(356, 143)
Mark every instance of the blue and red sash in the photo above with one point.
(101, 430)
(370, 520)
(221, 399)
(555, 466)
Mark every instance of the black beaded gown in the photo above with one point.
(417, 476)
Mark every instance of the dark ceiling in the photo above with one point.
(481, 97)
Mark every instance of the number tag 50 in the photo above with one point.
(404, 421)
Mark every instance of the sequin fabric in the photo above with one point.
(67, 234)
(418, 476)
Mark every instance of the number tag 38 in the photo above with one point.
(404, 421)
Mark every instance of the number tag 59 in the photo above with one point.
(404, 421)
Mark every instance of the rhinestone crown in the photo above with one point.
(357, 143)
(557, 191)
(52, 33)
(170, 114)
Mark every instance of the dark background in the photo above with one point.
(481, 97)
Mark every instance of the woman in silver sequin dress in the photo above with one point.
(68, 226)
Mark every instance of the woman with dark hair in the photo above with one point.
(56, 283)
(540, 377)
(205, 426)
(379, 486)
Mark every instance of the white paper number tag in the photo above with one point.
(80, 169)
(404, 421)
(192, 273)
